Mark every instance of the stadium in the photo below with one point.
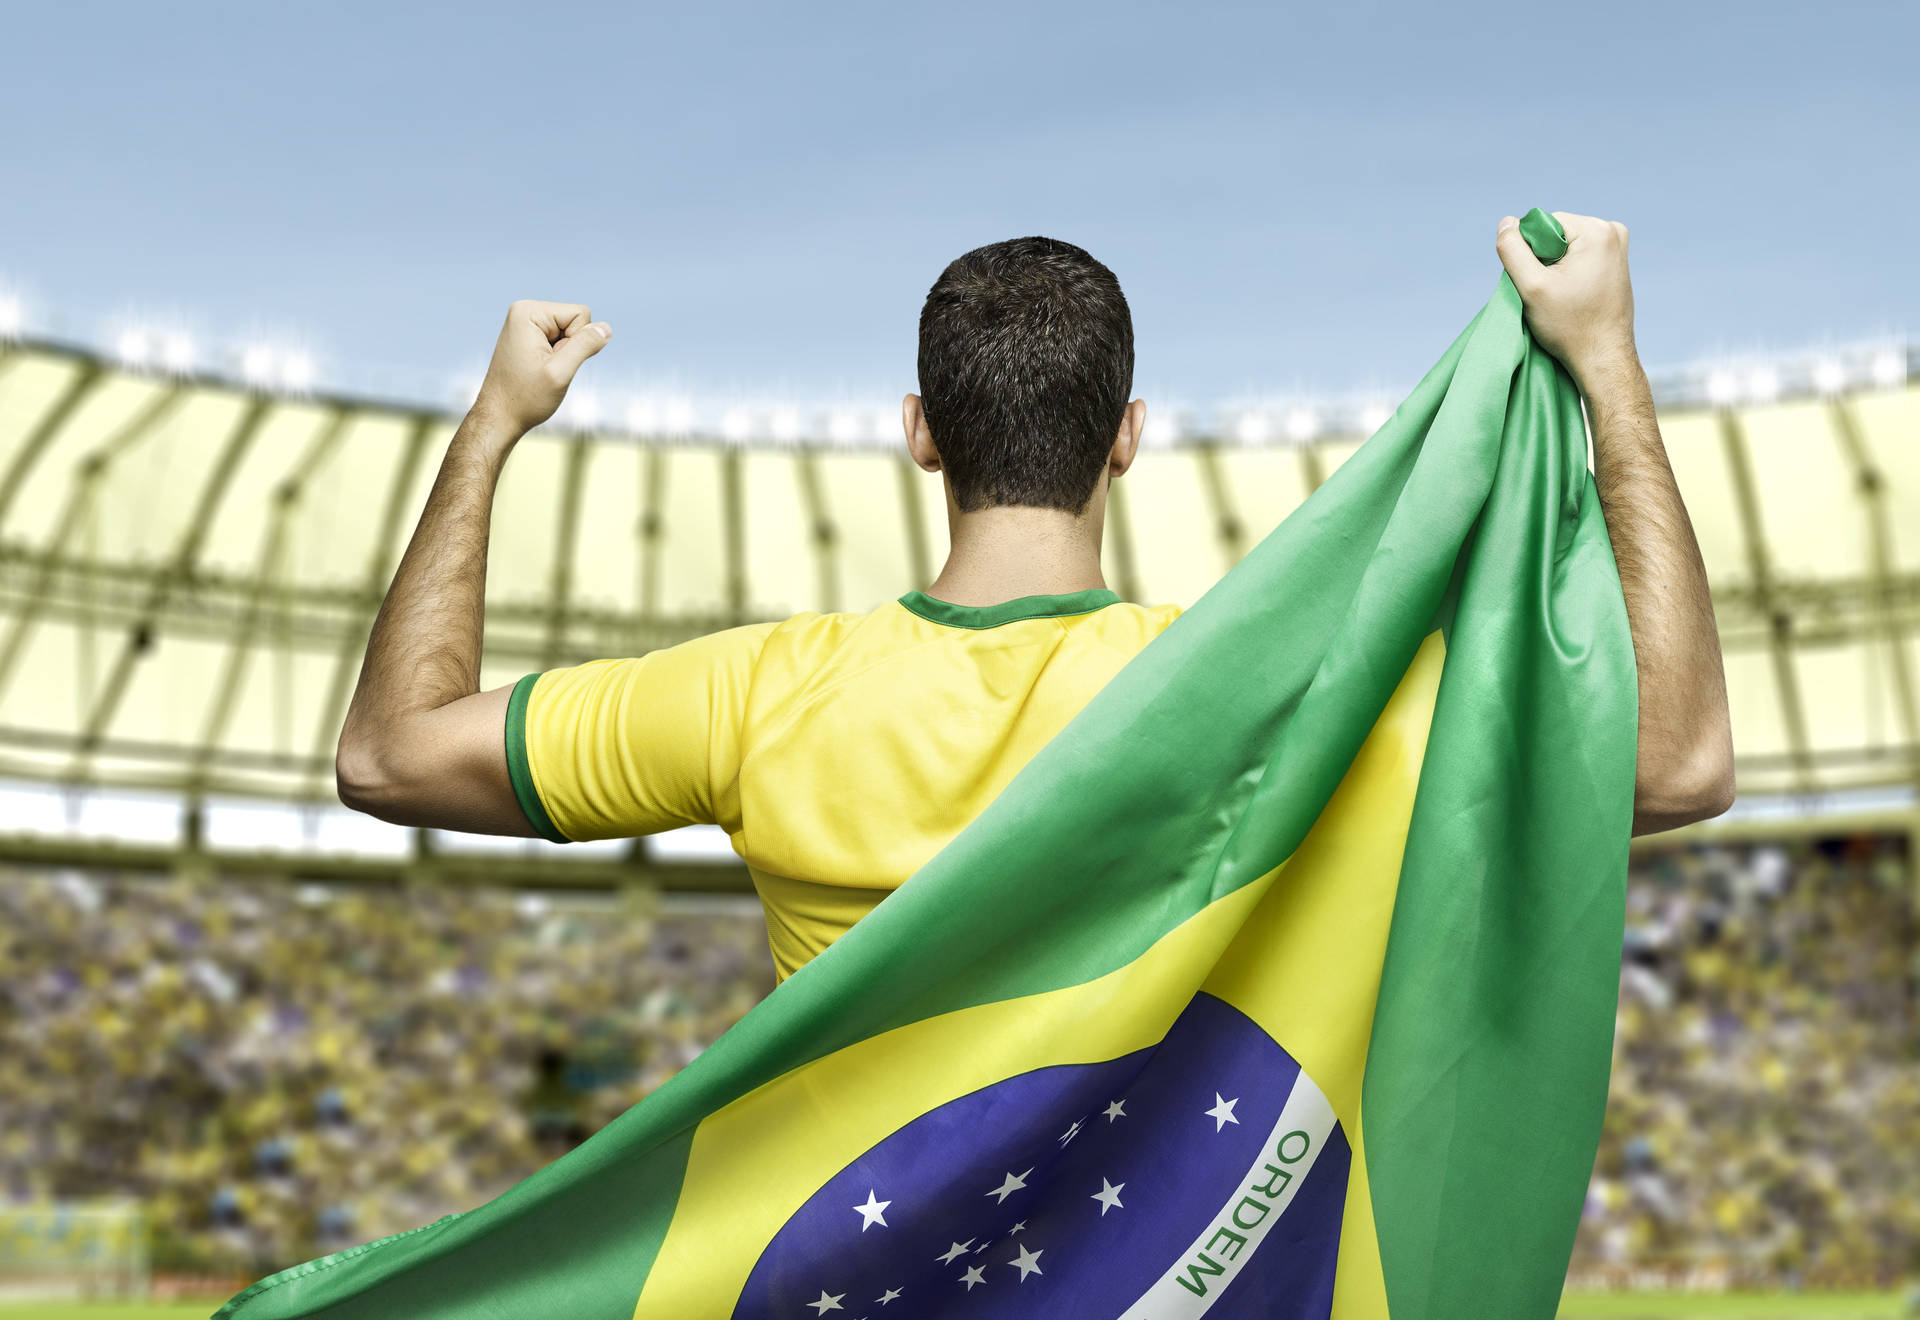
(250, 1026)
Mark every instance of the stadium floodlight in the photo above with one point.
(1252, 429)
(1763, 386)
(134, 348)
(786, 426)
(886, 426)
(1829, 377)
(296, 372)
(256, 366)
(679, 416)
(1163, 429)
(640, 417)
(1888, 369)
(1722, 388)
(13, 316)
(843, 428)
(1302, 425)
(736, 425)
(176, 353)
(1374, 416)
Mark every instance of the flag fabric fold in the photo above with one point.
(1280, 983)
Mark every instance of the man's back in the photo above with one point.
(839, 751)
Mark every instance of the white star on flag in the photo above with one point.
(1115, 1111)
(887, 1296)
(957, 1249)
(1221, 1113)
(870, 1213)
(973, 1276)
(827, 1303)
(1029, 1262)
(1070, 1133)
(1108, 1196)
(1015, 1182)
(1020, 1227)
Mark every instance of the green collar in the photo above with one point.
(1008, 611)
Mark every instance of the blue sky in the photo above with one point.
(757, 196)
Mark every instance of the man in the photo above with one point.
(842, 751)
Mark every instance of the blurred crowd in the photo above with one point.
(1764, 1120)
(279, 1071)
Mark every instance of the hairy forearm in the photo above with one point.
(424, 650)
(421, 744)
(1685, 764)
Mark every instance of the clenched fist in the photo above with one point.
(540, 347)
(1581, 307)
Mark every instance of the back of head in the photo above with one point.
(1026, 363)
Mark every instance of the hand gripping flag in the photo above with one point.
(1280, 983)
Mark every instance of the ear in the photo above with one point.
(1133, 422)
(919, 439)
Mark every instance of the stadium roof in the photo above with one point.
(189, 565)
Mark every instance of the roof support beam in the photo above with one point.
(1227, 522)
(179, 569)
(1870, 484)
(87, 619)
(653, 527)
(81, 494)
(824, 535)
(919, 563)
(52, 422)
(733, 532)
(80, 498)
(312, 617)
(1312, 471)
(269, 570)
(1780, 622)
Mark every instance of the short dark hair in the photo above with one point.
(1026, 362)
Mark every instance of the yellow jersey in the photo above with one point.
(839, 752)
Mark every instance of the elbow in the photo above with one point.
(362, 780)
(1705, 789)
(1712, 795)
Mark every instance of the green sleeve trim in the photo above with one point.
(935, 610)
(518, 768)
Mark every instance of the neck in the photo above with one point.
(1004, 553)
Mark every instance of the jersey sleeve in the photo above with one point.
(615, 748)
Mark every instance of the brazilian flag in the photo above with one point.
(1280, 983)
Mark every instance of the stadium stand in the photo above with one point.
(1764, 1121)
(277, 1070)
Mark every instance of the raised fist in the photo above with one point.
(540, 347)
(1581, 307)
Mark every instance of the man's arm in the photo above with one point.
(421, 744)
(1581, 310)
